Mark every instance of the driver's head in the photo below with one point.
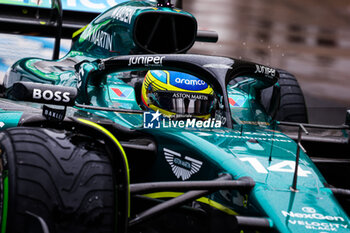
(176, 93)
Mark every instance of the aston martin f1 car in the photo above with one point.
(82, 151)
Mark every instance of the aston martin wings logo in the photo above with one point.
(182, 166)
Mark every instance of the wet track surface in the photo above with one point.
(309, 38)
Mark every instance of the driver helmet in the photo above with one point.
(177, 94)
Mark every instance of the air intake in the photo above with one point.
(164, 32)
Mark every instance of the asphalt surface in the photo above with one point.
(309, 38)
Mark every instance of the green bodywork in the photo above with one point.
(9, 119)
(253, 147)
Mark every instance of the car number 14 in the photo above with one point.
(284, 166)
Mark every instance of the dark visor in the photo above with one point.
(183, 102)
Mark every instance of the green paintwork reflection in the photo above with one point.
(9, 119)
(308, 210)
(226, 150)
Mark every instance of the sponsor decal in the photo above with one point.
(324, 226)
(49, 95)
(146, 60)
(98, 37)
(269, 72)
(190, 96)
(2, 124)
(217, 66)
(312, 216)
(182, 166)
(310, 219)
(122, 93)
(52, 114)
(187, 82)
(237, 101)
(309, 210)
(123, 14)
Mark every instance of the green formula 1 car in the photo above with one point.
(83, 150)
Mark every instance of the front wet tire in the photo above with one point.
(60, 178)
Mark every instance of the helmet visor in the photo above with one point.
(183, 102)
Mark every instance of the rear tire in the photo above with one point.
(292, 106)
(62, 178)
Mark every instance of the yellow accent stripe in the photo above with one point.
(204, 200)
(167, 76)
(78, 31)
(118, 144)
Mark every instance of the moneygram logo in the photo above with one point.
(155, 120)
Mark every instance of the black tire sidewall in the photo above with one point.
(8, 161)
